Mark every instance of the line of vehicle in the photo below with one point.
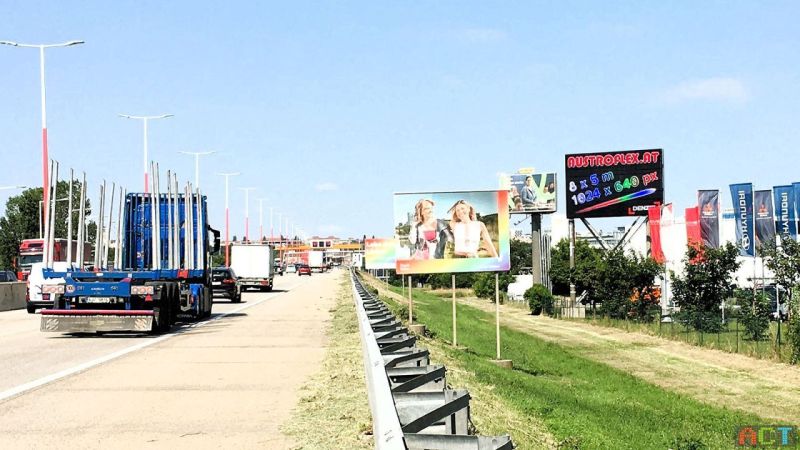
(31, 385)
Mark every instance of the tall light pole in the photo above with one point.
(247, 211)
(45, 156)
(197, 156)
(144, 120)
(227, 219)
(261, 219)
(271, 229)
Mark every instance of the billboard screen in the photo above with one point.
(379, 253)
(531, 193)
(614, 184)
(443, 232)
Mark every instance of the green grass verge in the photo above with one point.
(583, 404)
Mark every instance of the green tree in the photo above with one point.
(754, 313)
(484, 284)
(587, 259)
(784, 261)
(625, 285)
(520, 255)
(708, 279)
(539, 299)
(21, 220)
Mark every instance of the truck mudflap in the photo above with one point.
(93, 320)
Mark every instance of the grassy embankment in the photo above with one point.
(581, 403)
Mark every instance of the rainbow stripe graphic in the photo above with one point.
(379, 253)
(624, 198)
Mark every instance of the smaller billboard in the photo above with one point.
(379, 253)
(448, 232)
(531, 193)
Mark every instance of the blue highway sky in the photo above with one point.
(327, 108)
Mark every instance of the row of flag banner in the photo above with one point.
(760, 216)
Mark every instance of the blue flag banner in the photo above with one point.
(765, 218)
(795, 204)
(785, 217)
(742, 197)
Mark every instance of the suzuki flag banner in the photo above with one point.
(446, 232)
(379, 253)
(742, 197)
(765, 220)
(784, 211)
(708, 202)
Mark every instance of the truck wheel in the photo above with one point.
(209, 302)
(31, 308)
(237, 297)
(162, 320)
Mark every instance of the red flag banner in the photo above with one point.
(654, 220)
(693, 234)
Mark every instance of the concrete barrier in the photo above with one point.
(12, 295)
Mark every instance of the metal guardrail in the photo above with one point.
(412, 407)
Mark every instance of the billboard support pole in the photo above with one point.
(594, 232)
(410, 304)
(402, 286)
(497, 310)
(631, 231)
(536, 248)
(455, 339)
(571, 260)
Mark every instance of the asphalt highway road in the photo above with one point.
(227, 382)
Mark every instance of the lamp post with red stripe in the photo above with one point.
(144, 120)
(227, 219)
(45, 156)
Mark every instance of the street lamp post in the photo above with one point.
(45, 156)
(144, 120)
(247, 211)
(227, 219)
(261, 219)
(197, 156)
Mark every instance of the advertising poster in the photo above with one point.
(708, 203)
(614, 184)
(532, 193)
(785, 220)
(443, 232)
(379, 253)
(742, 197)
(765, 220)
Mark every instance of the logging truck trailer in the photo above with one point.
(161, 272)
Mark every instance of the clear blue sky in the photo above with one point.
(330, 107)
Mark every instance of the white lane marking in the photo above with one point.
(15, 391)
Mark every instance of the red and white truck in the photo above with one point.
(32, 250)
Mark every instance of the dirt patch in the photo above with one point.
(333, 411)
(768, 389)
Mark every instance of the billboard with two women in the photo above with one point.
(444, 232)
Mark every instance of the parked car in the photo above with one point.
(303, 270)
(7, 275)
(225, 281)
